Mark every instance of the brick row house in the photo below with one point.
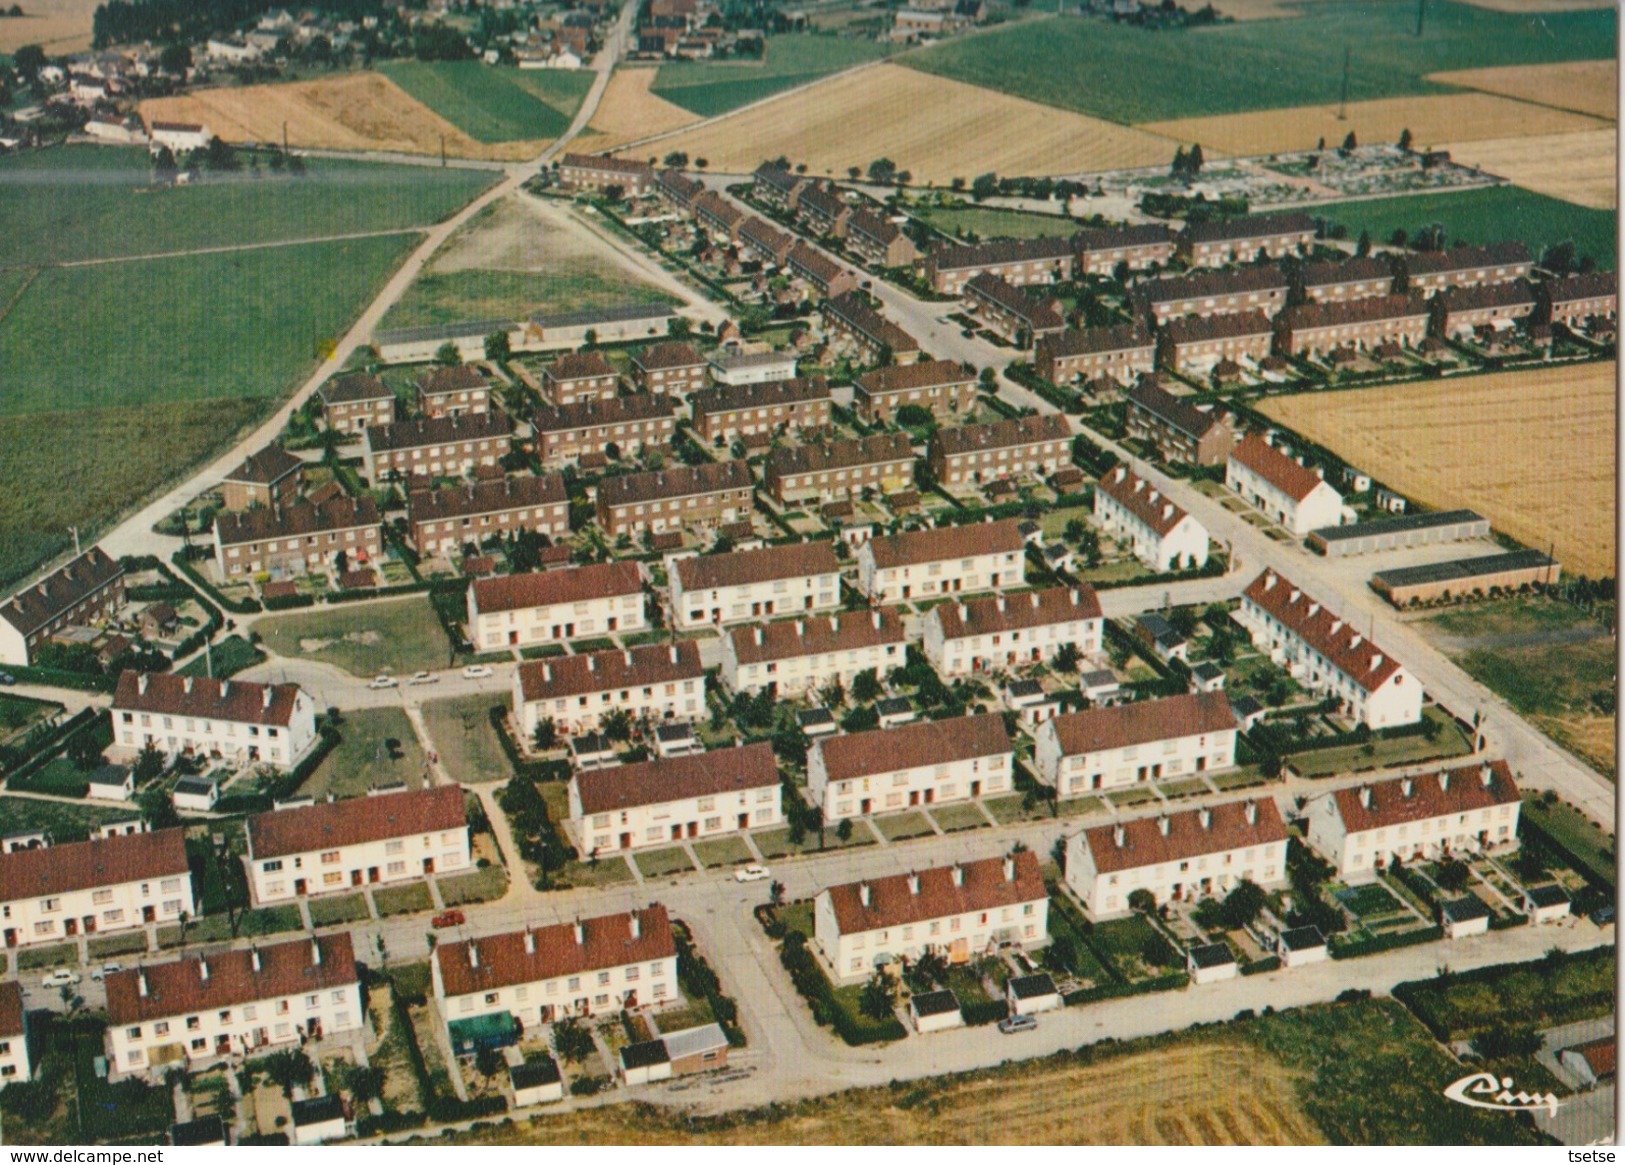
(86, 590)
(678, 189)
(1219, 241)
(554, 606)
(1120, 352)
(303, 538)
(623, 426)
(825, 276)
(1286, 491)
(1117, 747)
(1357, 278)
(1461, 311)
(1138, 246)
(768, 242)
(1179, 430)
(355, 403)
(1163, 535)
(999, 633)
(1196, 344)
(1212, 293)
(947, 560)
(879, 241)
(669, 800)
(599, 173)
(1020, 447)
(1430, 271)
(713, 590)
(877, 339)
(233, 720)
(683, 497)
(1313, 329)
(945, 387)
(671, 367)
(1012, 312)
(1017, 261)
(271, 477)
(799, 656)
(836, 469)
(822, 211)
(932, 762)
(777, 187)
(730, 411)
(1573, 299)
(443, 521)
(577, 376)
(716, 216)
(49, 893)
(437, 446)
(453, 391)
(654, 681)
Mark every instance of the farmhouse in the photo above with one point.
(271, 477)
(302, 538)
(926, 763)
(1033, 446)
(453, 391)
(577, 376)
(883, 462)
(826, 277)
(1212, 293)
(1137, 246)
(1364, 830)
(518, 610)
(53, 892)
(777, 186)
(1360, 277)
(1327, 655)
(1017, 261)
(89, 588)
(336, 846)
(822, 211)
(444, 521)
(716, 216)
(1178, 430)
(670, 367)
(1287, 492)
(1574, 299)
(773, 406)
(1462, 577)
(1219, 241)
(685, 496)
(599, 174)
(1010, 311)
(437, 446)
(1178, 857)
(1119, 352)
(1460, 311)
(665, 800)
(354, 403)
(225, 1003)
(1128, 744)
(797, 656)
(767, 241)
(1163, 535)
(575, 691)
(942, 386)
(1464, 267)
(947, 560)
(1196, 344)
(960, 911)
(527, 978)
(879, 241)
(1002, 633)
(718, 589)
(607, 325)
(877, 339)
(235, 720)
(623, 426)
(1314, 329)
(1396, 533)
(732, 369)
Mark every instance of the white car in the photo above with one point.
(477, 671)
(384, 682)
(750, 873)
(61, 977)
(106, 969)
(424, 677)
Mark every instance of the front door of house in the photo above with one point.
(299, 887)
(626, 841)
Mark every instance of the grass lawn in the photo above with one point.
(1130, 75)
(901, 826)
(65, 822)
(60, 776)
(115, 1112)
(992, 222)
(57, 955)
(661, 862)
(1485, 215)
(118, 944)
(495, 104)
(1135, 796)
(399, 636)
(1451, 742)
(20, 713)
(1240, 778)
(364, 757)
(1368, 901)
(460, 730)
(606, 871)
(230, 656)
(695, 1012)
(712, 87)
(410, 899)
(722, 851)
(1515, 616)
(480, 886)
(442, 297)
(333, 911)
(952, 818)
(776, 842)
(1575, 830)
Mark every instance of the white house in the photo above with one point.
(1283, 490)
(1178, 857)
(51, 893)
(797, 656)
(338, 846)
(672, 799)
(541, 974)
(1164, 536)
(960, 911)
(735, 368)
(233, 720)
(1128, 744)
(1328, 655)
(15, 1061)
(947, 560)
(180, 137)
(656, 681)
(232, 1003)
(801, 578)
(998, 633)
(927, 763)
(520, 610)
(1361, 831)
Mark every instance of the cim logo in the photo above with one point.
(1486, 1090)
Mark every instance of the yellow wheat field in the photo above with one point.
(358, 111)
(1583, 86)
(1578, 167)
(1532, 451)
(935, 128)
(1451, 117)
(57, 26)
(629, 111)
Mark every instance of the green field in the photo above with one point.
(492, 104)
(90, 202)
(1130, 75)
(1485, 215)
(443, 297)
(461, 732)
(993, 222)
(712, 87)
(400, 637)
(365, 759)
(228, 657)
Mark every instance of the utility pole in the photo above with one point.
(1343, 101)
(442, 151)
(284, 138)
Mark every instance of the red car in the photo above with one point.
(448, 918)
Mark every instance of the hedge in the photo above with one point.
(288, 602)
(1415, 994)
(54, 677)
(1067, 402)
(814, 986)
(697, 978)
(245, 607)
(535, 770)
(1385, 942)
(1262, 966)
(1508, 921)
(51, 743)
(986, 1011)
(355, 596)
(173, 592)
(1533, 828)
(1175, 982)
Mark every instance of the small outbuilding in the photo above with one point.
(536, 1082)
(110, 783)
(1547, 903)
(319, 1120)
(645, 1062)
(1462, 917)
(1301, 945)
(1211, 963)
(696, 1049)
(1592, 1062)
(816, 722)
(203, 1133)
(935, 1011)
(1030, 994)
(895, 711)
(195, 794)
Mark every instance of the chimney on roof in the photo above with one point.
(757, 631)
(592, 663)
(1357, 640)
(1405, 787)
(530, 941)
(1167, 511)
(1204, 818)
(1077, 596)
(1314, 609)
(863, 893)
(315, 952)
(186, 685)
(1365, 796)
(627, 656)
(1250, 812)
(1337, 625)
(673, 654)
(254, 959)
(265, 696)
(580, 933)
(958, 874)
(225, 689)
(1444, 780)
(203, 968)
(1295, 595)
(1119, 835)
(1269, 580)
(474, 955)
(141, 983)
(1010, 869)
(635, 924)
(547, 672)
(1376, 660)
(801, 630)
(913, 883)
(141, 683)
(1162, 825)
(1486, 774)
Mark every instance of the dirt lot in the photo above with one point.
(629, 111)
(1532, 450)
(1450, 117)
(57, 26)
(357, 111)
(1583, 86)
(933, 127)
(1577, 167)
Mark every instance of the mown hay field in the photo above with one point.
(711, 88)
(1531, 450)
(355, 111)
(57, 26)
(1584, 86)
(629, 111)
(1451, 117)
(933, 127)
(1576, 167)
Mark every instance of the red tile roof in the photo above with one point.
(1103, 729)
(1257, 226)
(651, 782)
(180, 988)
(767, 394)
(923, 374)
(998, 252)
(80, 865)
(599, 671)
(355, 821)
(1016, 612)
(33, 608)
(1465, 259)
(794, 560)
(1294, 480)
(945, 542)
(677, 482)
(667, 354)
(843, 453)
(1201, 329)
(1402, 800)
(1006, 434)
(1372, 309)
(518, 592)
(1210, 284)
(795, 638)
(11, 1008)
(1362, 660)
(929, 742)
(900, 899)
(267, 467)
(486, 497)
(1600, 1054)
(547, 952)
(1140, 498)
(240, 701)
(1088, 341)
(426, 431)
(297, 519)
(456, 378)
(583, 414)
(579, 366)
(1135, 844)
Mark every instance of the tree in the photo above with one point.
(488, 1062)
(832, 694)
(854, 172)
(865, 687)
(149, 766)
(677, 159)
(176, 59)
(1363, 247)
(882, 170)
(679, 328)
(28, 61)
(447, 354)
(546, 735)
(1181, 162)
(614, 193)
(984, 186)
(498, 348)
(84, 752)
(844, 830)
(163, 165)
(1142, 901)
(1452, 876)
(1405, 140)
(1066, 657)
(1195, 159)
(1505, 1042)
(571, 1041)
(1241, 906)
(364, 1084)
(701, 163)
(876, 1000)
(289, 1069)
(617, 724)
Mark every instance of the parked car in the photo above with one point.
(1017, 1023)
(384, 682)
(424, 677)
(477, 671)
(61, 977)
(750, 873)
(106, 969)
(7, 679)
(1604, 915)
(447, 918)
